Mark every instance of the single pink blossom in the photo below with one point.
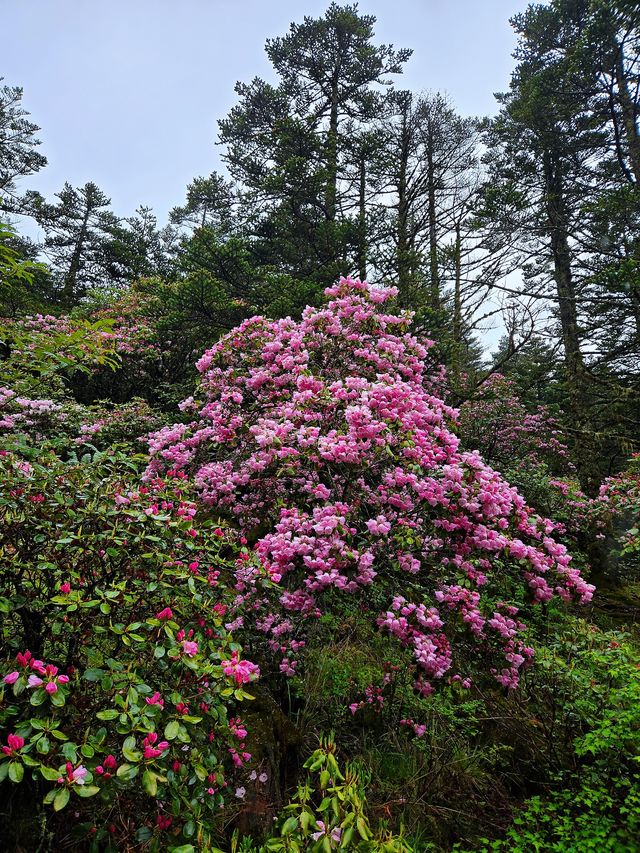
(167, 613)
(79, 775)
(189, 648)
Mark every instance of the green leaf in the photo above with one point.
(61, 799)
(289, 826)
(107, 715)
(49, 773)
(347, 836)
(93, 674)
(69, 751)
(150, 783)
(86, 790)
(363, 829)
(38, 696)
(58, 734)
(171, 729)
(127, 772)
(16, 771)
(43, 746)
(131, 754)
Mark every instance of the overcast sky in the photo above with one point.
(127, 92)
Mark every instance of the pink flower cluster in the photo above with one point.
(152, 747)
(326, 437)
(50, 677)
(74, 775)
(14, 744)
(241, 671)
(495, 422)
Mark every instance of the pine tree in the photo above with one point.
(138, 248)
(287, 147)
(555, 166)
(210, 203)
(18, 144)
(79, 230)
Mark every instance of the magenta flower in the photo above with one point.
(51, 687)
(34, 681)
(242, 671)
(167, 613)
(156, 699)
(150, 750)
(65, 588)
(15, 743)
(11, 678)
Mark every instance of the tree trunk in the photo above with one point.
(628, 114)
(362, 219)
(433, 236)
(70, 279)
(331, 150)
(403, 268)
(579, 389)
(457, 299)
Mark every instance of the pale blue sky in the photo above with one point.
(127, 92)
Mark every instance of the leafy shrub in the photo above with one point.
(582, 715)
(119, 675)
(328, 812)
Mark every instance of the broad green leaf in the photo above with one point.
(61, 799)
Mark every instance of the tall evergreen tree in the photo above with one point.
(210, 203)
(138, 248)
(19, 156)
(286, 144)
(552, 153)
(79, 228)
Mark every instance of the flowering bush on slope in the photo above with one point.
(323, 441)
(495, 422)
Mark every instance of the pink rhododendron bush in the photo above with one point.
(495, 422)
(323, 442)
